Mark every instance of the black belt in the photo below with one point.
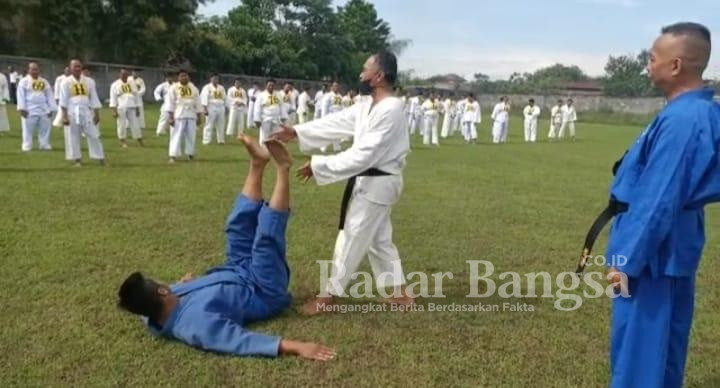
(349, 189)
(613, 208)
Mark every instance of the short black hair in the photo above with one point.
(270, 80)
(139, 295)
(214, 75)
(532, 100)
(387, 62)
(181, 71)
(238, 80)
(688, 28)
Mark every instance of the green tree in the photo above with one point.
(624, 76)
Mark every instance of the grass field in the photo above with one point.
(69, 236)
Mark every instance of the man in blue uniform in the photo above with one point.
(210, 312)
(664, 181)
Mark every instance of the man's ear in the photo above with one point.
(163, 291)
(677, 65)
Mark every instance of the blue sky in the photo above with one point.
(501, 37)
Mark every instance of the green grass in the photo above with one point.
(69, 236)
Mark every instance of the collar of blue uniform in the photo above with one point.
(701, 93)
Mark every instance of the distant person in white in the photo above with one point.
(500, 118)
(555, 120)
(252, 95)
(237, 105)
(373, 166)
(186, 114)
(531, 113)
(318, 102)
(431, 113)
(303, 107)
(569, 117)
(212, 98)
(36, 104)
(140, 84)
(471, 116)
(81, 114)
(4, 99)
(57, 121)
(270, 111)
(161, 95)
(124, 96)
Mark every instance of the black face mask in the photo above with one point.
(364, 87)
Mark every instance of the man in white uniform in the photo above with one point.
(212, 98)
(471, 116)
(288, 99)
(459, 112)
(531, 114)
(431, 112)
(318, 102)
(569, 117)
(140, 84)
(124, 104)
(448, 108)
(237, 103)
(252, 95)
(186, 114)
(415, 112)
(57, 122)
(332, 103)
(269, 111)
(13, 78)
(36, 103)
(80, 107)
(4, 99)
(160, 94)
(500, 117)
(373, 166)
(303, 105)
(555, 120)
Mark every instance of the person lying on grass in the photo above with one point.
(210, 312)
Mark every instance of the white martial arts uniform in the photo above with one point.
(237, 103)
(289, 103)
(269, 113)
(79, 99)
(160, 94)
(302, 107)
(471, 116)
(332, 103)
(569, 117)
(531, 114)
(555, 121)
(184, 105)
(212, 98)
(124, 98)
(457, 121)
(380, 141)
(448, 108)
(35, 96)
(318, 103)
(4, 98)
(431, 112)
(292, 115)
(251, 95)
(140, 84)
(57, 121)
(500, 121)
(415, 114)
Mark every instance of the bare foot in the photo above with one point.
(257, 152)
(279, 153)
(317, 306)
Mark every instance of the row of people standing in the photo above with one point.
(462, 116)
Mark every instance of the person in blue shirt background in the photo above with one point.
(210, 312)
(665, 179)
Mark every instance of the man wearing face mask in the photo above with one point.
(660, 189)
(373, 167)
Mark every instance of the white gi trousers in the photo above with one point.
(33, 124)
(163, 123)
(128, 117)
(447, 123)
(81, 122)
(469, 130)
(367, 231)
(215, 123)
(4, 123)
(530, 130)
(567, 124)
(430, 129)
(497, 131)
(236, 121)
(184, 129)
